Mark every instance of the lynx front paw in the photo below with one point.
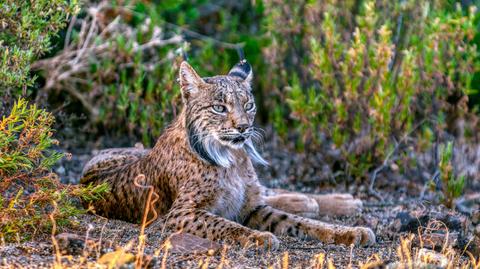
(264, 240)
(358, 236)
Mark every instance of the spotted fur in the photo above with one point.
(201, 168)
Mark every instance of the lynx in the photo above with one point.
(201, 168)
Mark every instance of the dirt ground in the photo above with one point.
(286, 168)
(301, 253)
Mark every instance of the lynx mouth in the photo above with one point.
(235, 140)
(239, 139)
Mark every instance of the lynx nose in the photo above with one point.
(242, 128)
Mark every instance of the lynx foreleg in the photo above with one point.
(207, 225)
(266, 218)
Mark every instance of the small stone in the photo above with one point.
(70, 244)
(405, 222)
(184, 243)
(117, 259)
(411, 221)
(394, 167)
(60, 170)
(436, 240)
(139, 145)
(476, 217)
(432, 257)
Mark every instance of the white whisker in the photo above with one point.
(253, 153)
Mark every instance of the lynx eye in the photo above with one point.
(219, 108)
(248, 106)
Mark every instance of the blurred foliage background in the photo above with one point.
(371, 85)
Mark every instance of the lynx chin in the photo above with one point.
(202, 169)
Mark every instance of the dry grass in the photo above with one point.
(407, 257)
(145, 249)
(107, 247)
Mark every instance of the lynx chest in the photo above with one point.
(231, 196)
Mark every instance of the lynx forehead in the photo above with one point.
(201, 169)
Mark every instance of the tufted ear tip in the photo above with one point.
(242, 70)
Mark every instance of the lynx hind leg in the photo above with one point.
(294, 203)
(109, 160)
(335, 204)
(266, 218)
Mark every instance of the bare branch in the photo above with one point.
(386, 161)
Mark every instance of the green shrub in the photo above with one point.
(120, 74)
(26, 139)
(364, 78)
(26, 32)
(451, 185)
(373, 78)
(124, 76)
(29, 192)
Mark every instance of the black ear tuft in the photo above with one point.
(242, 70)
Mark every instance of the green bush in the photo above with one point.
(451, 185)
(116, 67)
(124, 75)
(26, 139)
(373, 78)
(29, 192)
(361, 79)
(26, 32)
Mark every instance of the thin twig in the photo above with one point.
(93, 25)
(58, 254)
(72, 91)
(69, 32)
(149, 204)
(195, 35)
(396, 38)
(158, 43)
(434, 178)
(386, 162)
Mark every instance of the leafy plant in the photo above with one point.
(123, 79)
(26, 139)
(373, 80)
(29, 191)
(26, 32)
(451, 185)
(119, 77)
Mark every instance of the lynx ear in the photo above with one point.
(242, 70)
(189, 80)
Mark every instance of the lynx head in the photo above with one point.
(219, 114)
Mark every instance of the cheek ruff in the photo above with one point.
(211, 150)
